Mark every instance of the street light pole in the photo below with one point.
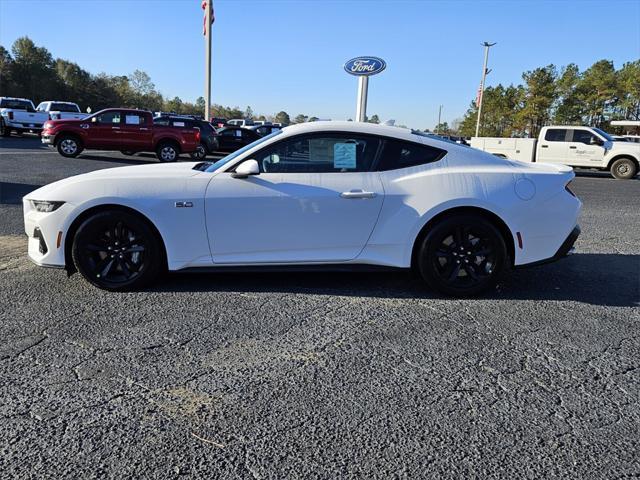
(487, 45)
(207, 44)
(439, 117)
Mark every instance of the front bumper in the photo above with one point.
(565, 250)
(42, 230)
(48, 139)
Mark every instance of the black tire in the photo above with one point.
(117, 251)
(167, 152)
(200, 153)
(4, 131)
(69, 146)
(127, 152)
(624, 169)
(462, 256)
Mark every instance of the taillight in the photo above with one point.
(197, 135)
(10, 115)
(566, 187)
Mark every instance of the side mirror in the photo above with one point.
(595, 141)
(246, 168)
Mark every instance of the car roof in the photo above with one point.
(58, 101)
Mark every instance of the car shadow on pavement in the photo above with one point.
(597, 279)
(122, 160)
(12, 193)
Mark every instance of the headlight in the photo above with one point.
(44, 206)
(48, 125)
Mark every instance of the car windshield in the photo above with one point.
(224, 160)
(65, 107)
(603, 134)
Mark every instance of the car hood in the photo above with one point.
(116, 181)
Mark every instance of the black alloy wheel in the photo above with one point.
(116, 250)
(462, 256)
(200, 153)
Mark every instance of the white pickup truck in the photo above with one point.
(19, 115)
(58, 110)
(576, 146)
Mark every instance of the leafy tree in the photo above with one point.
(7, 82)
(570, 108)
(539, 95)
(313, 119)
(442, 128)
(283, 118)
(373, 119)
(300, 118)
(598, 91)
(629, 88)
(33, 69)
(140, 82)
(248, 112)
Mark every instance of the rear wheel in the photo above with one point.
(167, 152)
(200, 153)
(69, 147)
(462, 255)
(624, 169)
(117, 251)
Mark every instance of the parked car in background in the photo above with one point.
(218, 122)
(208, 135)
(264, 129)
(232, 138)
(241, 122)
(58, 110)
(19, 115)
(323, 194)
(121, 129)
(576, 146)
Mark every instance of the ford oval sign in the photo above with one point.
(365, 66)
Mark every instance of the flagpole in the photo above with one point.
(207, 43)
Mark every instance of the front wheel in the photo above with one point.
(117, 251)
(167, 152)
(624, 169)
(69, 147)
(4, 130)
(463, 256)
(200, 153)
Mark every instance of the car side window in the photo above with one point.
(227, 133)
(582, 136)
(108, 118)
(161, 121)
(134, 119)
(556, 135)
(398, 154)
(325, 153)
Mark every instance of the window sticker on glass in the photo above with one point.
(132, 119)
(178, 124)
(344, 155)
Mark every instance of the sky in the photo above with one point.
(288, 54)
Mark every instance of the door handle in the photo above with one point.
(573, 147)
(358, 194)
(544, 146)
(144, 129)
(115, 128)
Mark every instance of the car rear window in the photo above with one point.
(16, 104)
(64, 107)
(397, 154)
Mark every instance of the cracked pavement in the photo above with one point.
(321, 375)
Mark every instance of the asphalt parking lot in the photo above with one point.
(320, 375)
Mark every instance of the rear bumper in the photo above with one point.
(565, 249)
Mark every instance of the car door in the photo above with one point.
(135, 132)
(553, 148)
(104, 130)
(314, 200)
(230, 138)
(585, 148)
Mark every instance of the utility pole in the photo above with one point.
(485, 71)
(439, 117)
(207, 76)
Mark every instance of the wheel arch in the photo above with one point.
(498, 222)
(624, 155)
(168, 140)
(64, 134)
(73, 228)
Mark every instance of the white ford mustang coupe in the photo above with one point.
(325, 194)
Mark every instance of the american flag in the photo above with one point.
(204, 20)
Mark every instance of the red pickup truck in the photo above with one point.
(125, 130)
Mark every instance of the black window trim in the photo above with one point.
(374, 163)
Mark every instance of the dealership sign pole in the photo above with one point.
(363, 68)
